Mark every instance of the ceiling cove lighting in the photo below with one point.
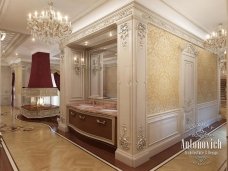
(49, 25)
(216, 40)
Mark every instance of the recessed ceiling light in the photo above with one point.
(33, 39)
(16, 54)
(3, 51)
(86, 43)
(110, 34)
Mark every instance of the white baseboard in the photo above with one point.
(132, 160)
(207, 113)
(163, 130)
(159, 147)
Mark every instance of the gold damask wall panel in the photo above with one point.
(163, 63)
(207, 76)
(163, 69)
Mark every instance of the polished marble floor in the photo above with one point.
(208, 160)
(34, 147)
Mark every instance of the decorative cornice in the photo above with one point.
(157, 20)
(190, 49)
(102, 23)
(142, 13)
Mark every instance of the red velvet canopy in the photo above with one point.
(40, 76)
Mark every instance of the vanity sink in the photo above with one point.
(108, 110)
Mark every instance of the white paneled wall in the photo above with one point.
(163, 130)
(207, 113)
(6, 87)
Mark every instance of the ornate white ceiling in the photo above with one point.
(206, 14)
(195, 16)
(9, 37)
(13, 15)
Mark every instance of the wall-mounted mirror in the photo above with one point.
(103, 72)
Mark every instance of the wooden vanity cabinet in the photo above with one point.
(94, 125)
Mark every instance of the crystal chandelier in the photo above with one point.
(216, 41)
(49, 25)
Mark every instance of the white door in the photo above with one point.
(189, 90)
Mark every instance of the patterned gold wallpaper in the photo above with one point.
(163, 66)
(207, 77)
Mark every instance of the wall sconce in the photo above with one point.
(79, 64)
(96, 65)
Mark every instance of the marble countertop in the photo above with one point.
(101, 109)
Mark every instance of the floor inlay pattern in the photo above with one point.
(212, 162)
(34, 147)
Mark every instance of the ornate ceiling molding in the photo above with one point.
(102, 23)
(3, 7)
(137, 10)
(88, 10)
(15, 40)
(9, 37)
(190, 49)
(157, 20)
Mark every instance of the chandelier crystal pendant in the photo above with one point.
(216, 41)
(49, 25)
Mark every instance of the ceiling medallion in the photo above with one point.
(216, 41)
(49, 25)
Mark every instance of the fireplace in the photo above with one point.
(39, 90)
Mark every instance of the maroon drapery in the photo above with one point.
(57, 80)
(12, 90)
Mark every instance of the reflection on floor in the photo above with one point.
(34, 146)
(109, 155)
(201, 159)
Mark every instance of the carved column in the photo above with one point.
(17, 69)
(132, 92)
(64, 83)
(71, 82)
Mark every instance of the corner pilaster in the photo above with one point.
(64, 83)
(131, 89)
